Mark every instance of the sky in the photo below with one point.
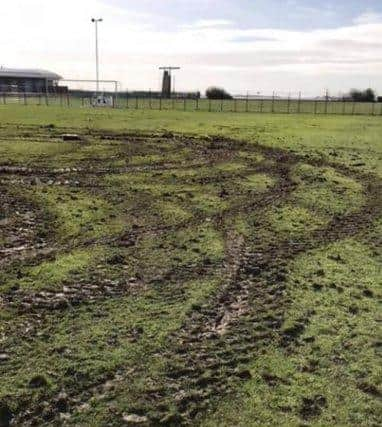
(243, 45)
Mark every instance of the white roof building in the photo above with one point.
(24, 73)
(18, 80)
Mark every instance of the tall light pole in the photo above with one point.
(96, 21)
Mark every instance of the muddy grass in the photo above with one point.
(160, 279)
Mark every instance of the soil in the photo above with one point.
(208, 354)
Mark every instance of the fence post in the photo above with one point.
(160, 103)
(288, 103)
(381, 109)
(315, 106)
(25, 98)
(221, 105)
(299, 103)
(4, 98)
(246, 104)
(197, 104)
(127, 99)
(343, 107)
(68, 99)
(235, 105)
(273, 103)
(261, 105)
(353, 109)
(326, 102)
(209, 105)
(46, 98)
(184, 104)
(373, 112)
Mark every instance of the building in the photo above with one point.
(28, 81)
(166, 84)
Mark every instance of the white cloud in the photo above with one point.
(210, 23)
(368, 18)
(59, 36)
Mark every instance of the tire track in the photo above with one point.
(207, 356)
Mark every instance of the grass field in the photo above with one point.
(189, 268)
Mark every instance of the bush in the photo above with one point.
(217, 93)
(367, 95)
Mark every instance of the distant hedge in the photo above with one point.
(217, 93)
(367, 95)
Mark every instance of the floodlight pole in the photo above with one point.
(96, 21)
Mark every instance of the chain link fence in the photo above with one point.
(266, 104)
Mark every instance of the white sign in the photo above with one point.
(102, 101)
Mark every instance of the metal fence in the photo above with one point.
(238, 105)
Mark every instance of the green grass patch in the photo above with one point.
(50, 275)
(258, 182)
(336, 365)
(327, 191)
(172, 213)
(189, 247)
(293, 220)
(77, 215)
(209, 204)
(170, 259)
(92, 342)
(29, 152)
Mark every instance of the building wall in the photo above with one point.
(9, 84)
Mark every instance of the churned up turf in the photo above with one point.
(162, 278)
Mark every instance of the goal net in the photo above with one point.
(86, 93)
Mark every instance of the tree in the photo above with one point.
(370, 95)
(217, 93)
(367, 95)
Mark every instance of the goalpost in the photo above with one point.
(85, 92)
